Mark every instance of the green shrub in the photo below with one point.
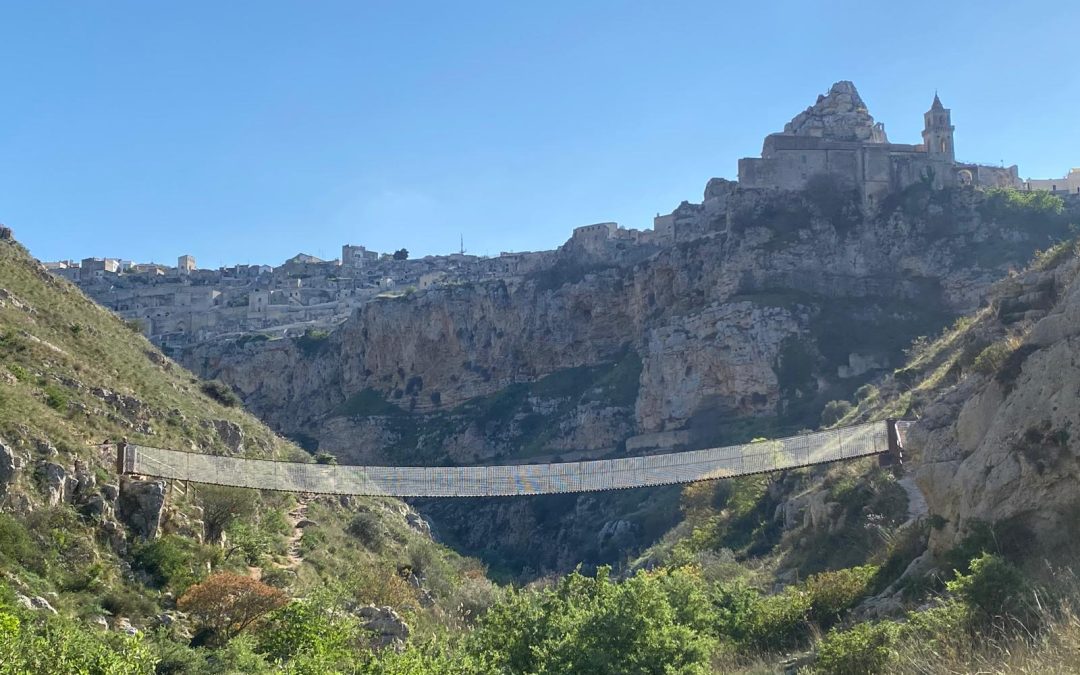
(31, 644)
(221, 392)
(124, 601)
(325, 458)
(862, 649)
(56, 397)
(314, 628)
(368, 529)
(1055, 255)
(649, 623)
(832, 594)
(312, 341)
(19, 372)
(170, 560)
(222, 506)
(834, 411)
(865, 392)
(17, 547)
(995, 588)
(991, 359)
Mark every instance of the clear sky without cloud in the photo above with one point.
(250, 131)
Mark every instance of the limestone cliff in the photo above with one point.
(784, 301)
(998, 443)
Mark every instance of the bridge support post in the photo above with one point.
(122, 458)
(895, 454)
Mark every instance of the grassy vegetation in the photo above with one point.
(73, 375)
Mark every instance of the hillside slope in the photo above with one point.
(118, 553)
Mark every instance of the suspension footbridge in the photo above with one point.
(846, 443)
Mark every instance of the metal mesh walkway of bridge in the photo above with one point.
(862, 440)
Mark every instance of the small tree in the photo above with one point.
(225, 604)
(401, 254)
(223, 505)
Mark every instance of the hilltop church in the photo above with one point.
(837, 135)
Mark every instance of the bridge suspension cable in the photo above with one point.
(873, 438)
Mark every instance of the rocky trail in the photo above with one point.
(294, 556)
(917, 507)
(299, 520)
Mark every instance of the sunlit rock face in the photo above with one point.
(765, 305)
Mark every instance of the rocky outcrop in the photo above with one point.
(9, 466)
(839, 115)
(230, 434)
(140, 506)
(36, 603)
(59, 486)
(389, 629)
(721, 360)
(1003, 448)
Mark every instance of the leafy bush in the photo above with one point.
(1055, 255)
(226, 604)
(473, 597)
(832, 594)
(1036, 207)
(834, 411)
(864, 648)
(313, 628)
(221, 392)
(991, 359)
(312, 341)
(125, 601)
(17, 547)
(382, 586)
(55, 645)
(170, 560)
(649, 623)
(368, 528)
(995, 588)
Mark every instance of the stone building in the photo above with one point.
(838, 136)
(1070, 184)
(185, 265)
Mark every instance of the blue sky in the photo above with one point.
(249, 131)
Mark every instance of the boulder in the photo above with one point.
(616, 532)
(389, 628)
(123, 625)
(110, 492)
(417, 523)
(231, 435)
(140, 505)
(36, 603)
(115, 535)
(57, 483)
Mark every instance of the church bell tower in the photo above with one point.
(938, 132)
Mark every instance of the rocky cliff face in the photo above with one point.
(786, 301)
(999, 445)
